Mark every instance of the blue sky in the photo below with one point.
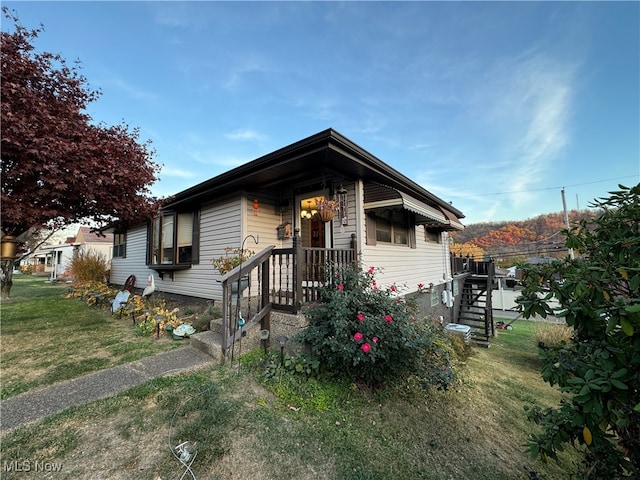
(493, 106)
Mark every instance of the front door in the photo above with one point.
(316, 232)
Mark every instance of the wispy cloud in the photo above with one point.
(176, 172)
(249, 65)
(231, 161)
(528, 103)
(134, 91)
(245, 135)
(176, 15)
(515, 123)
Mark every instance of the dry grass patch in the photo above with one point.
(553, 334)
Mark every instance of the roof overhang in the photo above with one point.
(321, 157)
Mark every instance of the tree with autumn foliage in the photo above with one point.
(508, 235)
(58, 166)
(467, 249)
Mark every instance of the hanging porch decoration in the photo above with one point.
(327, 208)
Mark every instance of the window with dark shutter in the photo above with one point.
(370, 225)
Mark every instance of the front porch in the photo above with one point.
(277, 279)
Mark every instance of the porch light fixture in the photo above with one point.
(309, 212)
(9, 247)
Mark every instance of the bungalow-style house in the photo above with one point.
(273, 206)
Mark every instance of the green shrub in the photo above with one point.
(598, 370)
(371, 335)
(89, 266)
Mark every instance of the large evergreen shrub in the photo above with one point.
(599, 368)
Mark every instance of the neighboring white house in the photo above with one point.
(56, 259)
(52, 259)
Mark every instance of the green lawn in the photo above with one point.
(47, 337)
(316, 430)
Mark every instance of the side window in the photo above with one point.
(431, 235)
(119, 245)
(167, 250)
(383, 231)
(185, 237)
(174, 239)
(391, 232)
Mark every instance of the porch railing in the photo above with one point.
(298, 272)
(245, 298)
(467, 264)
(279, 279)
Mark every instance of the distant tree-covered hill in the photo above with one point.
(511, 241)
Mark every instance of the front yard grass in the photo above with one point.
(47, 338)
(334, 430)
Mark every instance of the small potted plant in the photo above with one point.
(231, 259)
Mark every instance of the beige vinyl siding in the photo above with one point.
(407, 267)
(220, 226)
(343, 239)
(404, 266)
(263, 222)
(224, 223)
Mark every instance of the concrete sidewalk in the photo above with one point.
(38, 404)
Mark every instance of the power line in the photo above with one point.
(539, 189)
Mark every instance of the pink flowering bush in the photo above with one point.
(370, 334)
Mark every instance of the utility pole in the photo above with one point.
(566, 218)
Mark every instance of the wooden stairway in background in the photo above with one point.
(476, 310)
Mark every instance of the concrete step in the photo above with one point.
(208, 342)
(215, 325)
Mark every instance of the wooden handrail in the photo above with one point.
(248, 264)
(263, 308)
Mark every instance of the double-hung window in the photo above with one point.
(174, 239)
(391, 232)
(119, 245)
(432, 235)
